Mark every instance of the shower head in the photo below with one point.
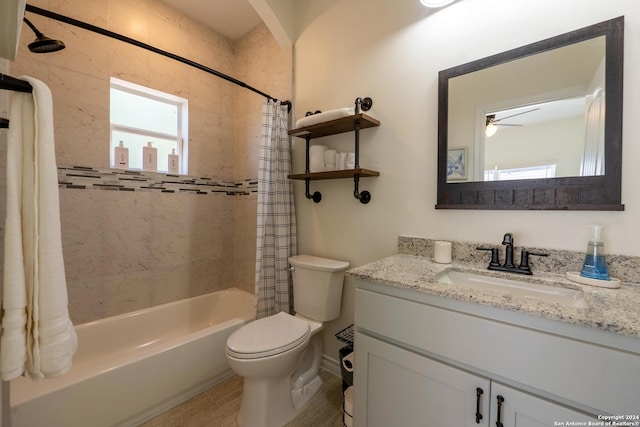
(42, 43)
(46, 45)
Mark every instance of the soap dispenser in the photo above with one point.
(121, 155)
(149, 158)
(595, 264)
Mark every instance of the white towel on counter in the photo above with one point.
(326, 116)
(37, 334)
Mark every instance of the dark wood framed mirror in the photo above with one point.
(510, 90)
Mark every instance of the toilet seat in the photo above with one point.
(268, 336)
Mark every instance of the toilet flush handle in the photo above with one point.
(292, 268)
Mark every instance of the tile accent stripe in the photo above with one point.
(87, 178)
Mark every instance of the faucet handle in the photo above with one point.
(507, 239)
(524, 259)
(495, 261)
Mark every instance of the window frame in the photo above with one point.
(181, 138)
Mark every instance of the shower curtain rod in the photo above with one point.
(102, 31)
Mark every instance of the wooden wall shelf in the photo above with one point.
(346, 173)
(353, 123)
(334, 127)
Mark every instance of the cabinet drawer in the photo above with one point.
(595, 376)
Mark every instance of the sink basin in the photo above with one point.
(512, 287)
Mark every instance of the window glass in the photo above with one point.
(140, 115)
(533, 172)
(143, 112)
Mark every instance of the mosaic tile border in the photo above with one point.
(85, 178)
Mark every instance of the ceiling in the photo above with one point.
(231, 18)
(543, 112)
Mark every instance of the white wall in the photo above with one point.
(392, 51)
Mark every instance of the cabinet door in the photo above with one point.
(519, 409)
(395, 387)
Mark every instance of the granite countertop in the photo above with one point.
(612, 310)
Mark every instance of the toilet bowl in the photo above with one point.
(272, 394)
(279, 356)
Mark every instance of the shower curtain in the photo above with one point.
(276, 232)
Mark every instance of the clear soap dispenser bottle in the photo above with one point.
(595, 263)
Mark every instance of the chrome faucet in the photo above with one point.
(508, 265)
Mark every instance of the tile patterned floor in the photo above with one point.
(219, 406)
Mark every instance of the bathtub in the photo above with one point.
(131, 367)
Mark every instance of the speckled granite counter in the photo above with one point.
(612, 310)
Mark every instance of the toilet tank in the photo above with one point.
(317, 286)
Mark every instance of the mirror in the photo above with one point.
(532, 130)
(537, 127)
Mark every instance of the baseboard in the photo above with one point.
(331, 365)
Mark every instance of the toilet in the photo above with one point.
(279, 356)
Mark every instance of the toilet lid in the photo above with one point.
(268, 336)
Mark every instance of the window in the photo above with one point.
(139, 115)
(533, 172)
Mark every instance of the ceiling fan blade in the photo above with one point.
(517, 114)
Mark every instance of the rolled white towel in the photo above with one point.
(341, 161)
(316, 158)
(326, 116)
(330, 160)
(350, 161)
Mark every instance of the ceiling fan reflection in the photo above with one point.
(491, 123)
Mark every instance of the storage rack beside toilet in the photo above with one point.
(353, 123)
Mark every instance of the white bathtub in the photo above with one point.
(131, 367)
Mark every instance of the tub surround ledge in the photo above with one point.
(611, 310)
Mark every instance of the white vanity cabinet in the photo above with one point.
(403, 388)
(420, 360)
